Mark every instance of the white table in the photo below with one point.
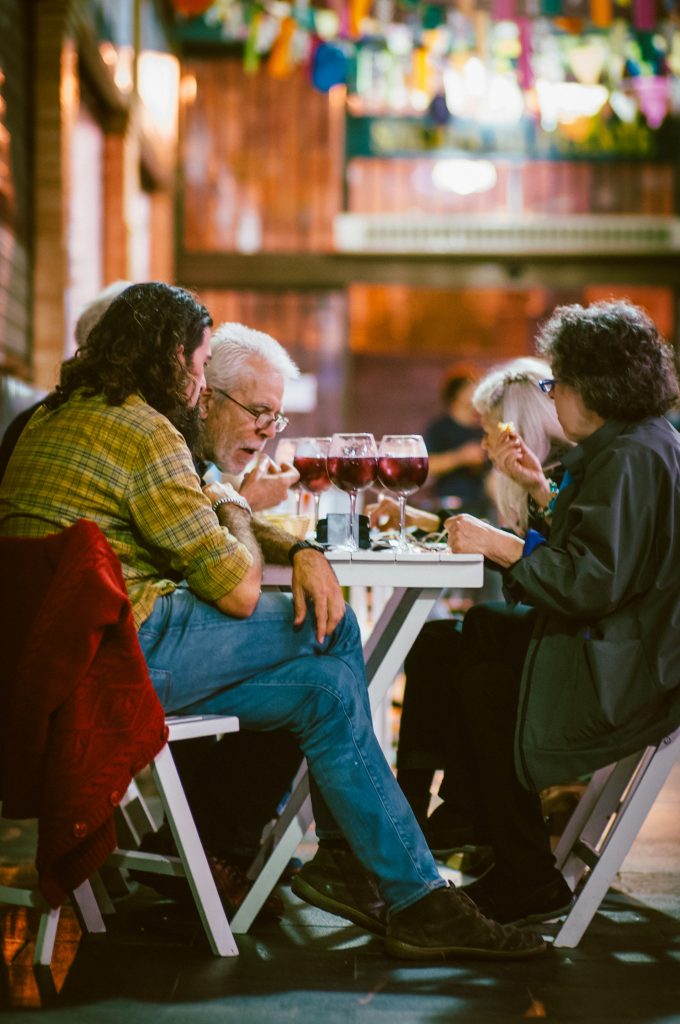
(416, 580)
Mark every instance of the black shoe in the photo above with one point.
(521, 906)
(445, 923)
(447, 832)
(336, 881)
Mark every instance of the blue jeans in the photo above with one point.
(274, 676)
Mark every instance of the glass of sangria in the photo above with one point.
(352, 466)
(285, 452)
(402, 469)
(310, 458)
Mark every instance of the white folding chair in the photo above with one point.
(85, 904)
(91, 899)
(191, 863)
(603, 828)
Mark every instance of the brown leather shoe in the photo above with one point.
(446, 924)
(336, 881)
(231, 881)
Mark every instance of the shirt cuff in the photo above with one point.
(532, 541)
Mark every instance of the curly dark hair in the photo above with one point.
(134, 349)
(612, 354)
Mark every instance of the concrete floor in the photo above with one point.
(154, 964)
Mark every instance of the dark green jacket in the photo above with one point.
(602, 674)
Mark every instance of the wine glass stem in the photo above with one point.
(402, 520)
(353, 538)
(315, 520)
(298, 499)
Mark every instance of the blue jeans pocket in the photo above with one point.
(162, 684)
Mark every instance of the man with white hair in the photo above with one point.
(244, 366)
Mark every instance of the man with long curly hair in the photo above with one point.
(107, 447)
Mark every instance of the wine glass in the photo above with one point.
(352, 466)
(311, 454)
(285, 452)
(402, 469)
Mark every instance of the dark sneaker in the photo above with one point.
(446, 832)
(334, 880)
(231, 881)
(446, 924)
(543, 903)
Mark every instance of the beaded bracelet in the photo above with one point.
(540, 512)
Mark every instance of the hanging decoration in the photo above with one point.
(576, 63)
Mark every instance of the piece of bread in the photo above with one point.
(506, 428)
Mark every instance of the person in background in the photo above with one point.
(585, 667)
(511, 406)
(107, 447)
(454, 444)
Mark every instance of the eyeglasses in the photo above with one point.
(263, 420)
(547, 385)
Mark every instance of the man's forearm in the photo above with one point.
(241, 525)
(274, 542)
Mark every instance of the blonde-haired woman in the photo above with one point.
(511, 406)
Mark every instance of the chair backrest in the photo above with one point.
(68, 754)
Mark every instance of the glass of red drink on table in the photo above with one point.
(402, 469)
(285, 453)
(311, 454)
(352, 467)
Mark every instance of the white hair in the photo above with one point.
(510, 393)
(93, 311)
(234, 346)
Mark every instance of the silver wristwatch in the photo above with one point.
(236, 499)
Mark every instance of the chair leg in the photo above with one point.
(634, 809)
(193, 857)
(290, 830)
(87, 909)
(47, 933)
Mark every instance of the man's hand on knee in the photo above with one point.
(315, 581)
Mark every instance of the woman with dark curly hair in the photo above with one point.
(587, 668)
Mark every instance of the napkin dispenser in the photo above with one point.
(334, 530)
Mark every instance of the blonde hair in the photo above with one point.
(510, 393)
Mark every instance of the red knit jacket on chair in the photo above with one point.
(78, 713)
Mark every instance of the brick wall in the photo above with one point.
(15, 187)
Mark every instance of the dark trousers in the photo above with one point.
(235, 785)
(475, 708)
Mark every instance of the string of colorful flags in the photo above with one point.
(493, 60)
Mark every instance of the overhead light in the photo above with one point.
(464, 177)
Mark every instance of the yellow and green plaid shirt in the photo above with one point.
(127, 469)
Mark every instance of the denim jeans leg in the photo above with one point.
(272, 676)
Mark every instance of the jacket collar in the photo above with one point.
(576, 459)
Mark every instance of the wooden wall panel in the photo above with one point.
(15, 191)
(260, 167)
(312, 327)
(545, 187)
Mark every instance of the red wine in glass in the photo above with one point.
(402, 474)
(352, 474)
(313, 475)
(310, 461)
(352, 466)
(402, 468)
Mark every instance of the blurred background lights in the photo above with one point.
(464, 177)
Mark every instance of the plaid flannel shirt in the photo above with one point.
(127, 469)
